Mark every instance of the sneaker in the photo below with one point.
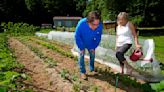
(93, 73)
(84, 76)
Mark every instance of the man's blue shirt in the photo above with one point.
(85, 37)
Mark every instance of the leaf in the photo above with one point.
(162, 83)
(3, 89)
(5, 82)
(156, 86)
(11, 75)
(24, 76)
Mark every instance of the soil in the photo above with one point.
(43, 79)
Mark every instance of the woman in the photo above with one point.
(125, 32)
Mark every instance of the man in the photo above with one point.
(87, 36)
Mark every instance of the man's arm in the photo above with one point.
(78, 36)
(98, 37)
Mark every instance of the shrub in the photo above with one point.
(17, 29)
(137, 20)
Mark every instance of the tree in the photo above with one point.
(11, 10)
(80, 6)
(45, 10)
(142, 12)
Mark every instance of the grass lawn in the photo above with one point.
(159, 46)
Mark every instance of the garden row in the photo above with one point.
(11, 72)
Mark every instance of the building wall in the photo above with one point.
(65, 22)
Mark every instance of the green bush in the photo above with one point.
(17, 29)
(137, 20)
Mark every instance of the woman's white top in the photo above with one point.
(124, 35)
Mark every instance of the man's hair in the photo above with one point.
(123, 14)
(93, 15)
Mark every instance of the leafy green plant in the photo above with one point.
(74, 77)
(125, 80)
(158, 87)
(9, 79)
(11, 76)
(137, 20)
(51, 62)
(64, 73)
(17, 29)
(50, 46)
(3, 89)
(55, 48)
(95, 88)
(77, 87)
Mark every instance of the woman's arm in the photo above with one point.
(116, 39)
(133, 30)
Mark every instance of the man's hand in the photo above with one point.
(82, 52)
(93, 51)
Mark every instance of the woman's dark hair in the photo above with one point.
(93, 15)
